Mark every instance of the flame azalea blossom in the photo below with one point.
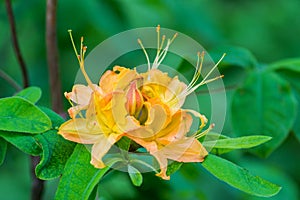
(145, 107)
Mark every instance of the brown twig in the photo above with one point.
(16, 43)
(52, 57)
(37, 184)
(10, 80)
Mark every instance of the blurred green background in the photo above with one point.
(269, 29)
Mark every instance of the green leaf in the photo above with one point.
(79, 177)
(3, 148)
(288, 64)
(56, 152)
(237, 143)
(173, 167)
(238, 177)
(235, 56)
(94, 193)
(135, 176)
(124, 143)
(265, 105)
(212, 136)
(20, 115)
(32, 94)
(25, 142)
(290, 71)
(281, 177)
(55, 118)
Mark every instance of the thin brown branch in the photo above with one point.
(10, 80)
(52, 56)
(37, 184)
(15, 42)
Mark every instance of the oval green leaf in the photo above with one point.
(288, 64)
(266, 105)
(20, 115)
(79, 177)
(235, 57)
(32, 94)
(290, 71)
(56, 152)
(25, 142)
(135, 176)
(237, 143)
(55, 118)
(238, 177)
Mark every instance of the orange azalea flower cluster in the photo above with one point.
(145, 107)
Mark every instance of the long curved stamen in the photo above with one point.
(160, 54)
(197, 71)
(74, 47)
(216, 65)
(192, 87)
(80, 58)
(145, 52)
(163, 54)
(158, 38)
(201, 134)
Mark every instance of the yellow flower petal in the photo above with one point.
(158, 118)
(100, 148)
(78, 130)
(172, 96)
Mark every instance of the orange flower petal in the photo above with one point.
(187, 149)
(80, 94)
(119, 78)
(176, 129)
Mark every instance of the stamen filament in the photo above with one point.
(192, 87)
(145, 52)
(158, 38)
(159, 53)
(216, 65)
(162, 42)
(162, 55)
(81, 60)
(74, 47)
(199, 135)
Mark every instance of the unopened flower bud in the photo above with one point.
(135, 100)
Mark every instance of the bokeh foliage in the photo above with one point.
(269, 30)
